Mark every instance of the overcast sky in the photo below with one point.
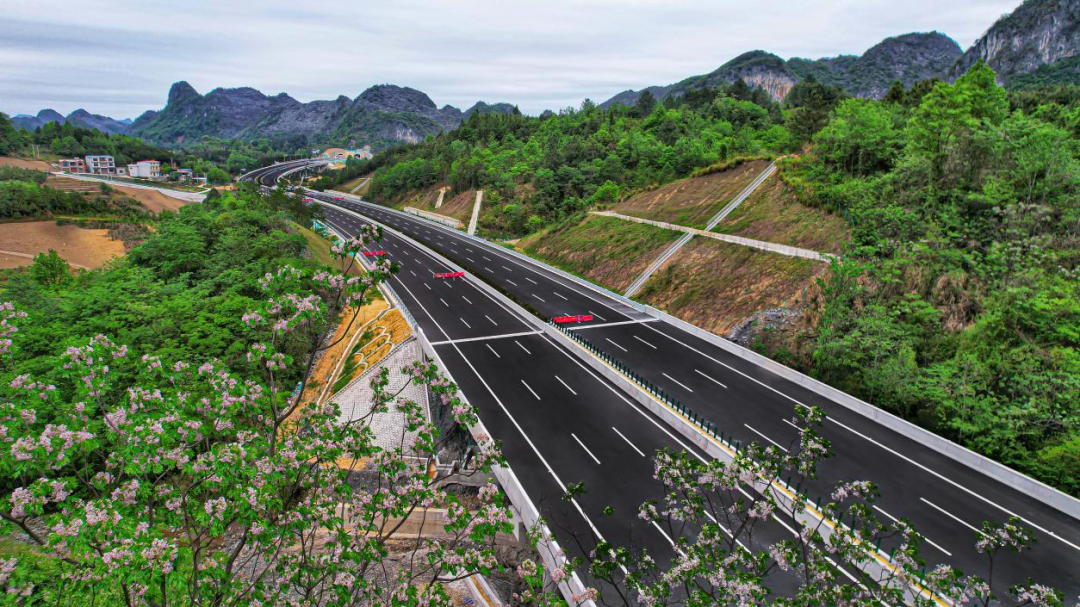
(118, 57)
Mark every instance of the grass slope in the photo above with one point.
(692, 202)
(605, 250)
(773, 214)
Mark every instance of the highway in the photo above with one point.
(561, 424)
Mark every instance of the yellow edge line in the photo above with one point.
(885, 562)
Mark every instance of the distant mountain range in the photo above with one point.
(1038, 43)
(80, 118)
(382, 115)
(379, 116)
(1034, 39)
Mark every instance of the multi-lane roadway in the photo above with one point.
(561, 424)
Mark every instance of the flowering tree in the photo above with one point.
(828, 555)
(195, 486)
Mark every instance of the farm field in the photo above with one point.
(80, 247)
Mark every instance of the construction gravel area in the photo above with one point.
(80, 247)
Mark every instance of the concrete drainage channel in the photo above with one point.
(702, 433)
(524, 509)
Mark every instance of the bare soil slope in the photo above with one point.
(715, 285)
(692, 202)
(22, 163)
(153, 200)
(78, 246)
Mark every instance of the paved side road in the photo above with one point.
(946, 500)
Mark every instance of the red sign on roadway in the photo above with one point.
(373, 253)
(449, 274)
(577, 318)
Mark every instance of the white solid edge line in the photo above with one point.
(585, 448)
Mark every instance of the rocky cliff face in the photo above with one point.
(1039, 32)
(380, 116)
(908, 58)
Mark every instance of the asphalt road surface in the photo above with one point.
(561, 424)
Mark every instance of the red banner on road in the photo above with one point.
(578, 318)
(449, 274)
(373, 253)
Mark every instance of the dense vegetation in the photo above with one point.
(179, 295)
(958, 302)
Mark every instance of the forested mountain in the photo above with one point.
(380, 116)
(1038, 33)
(908, 58)
(1032, 40)
(79, 118)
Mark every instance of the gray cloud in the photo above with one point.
(118, 57)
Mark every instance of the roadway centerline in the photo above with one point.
(715, 381)
(632, 445)
(645, 342)
(685, 387)
(895, 520)
(566, 386)
(531, 391)
(778, 445)
(587, 450)
(616, 345)
(951, 515)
